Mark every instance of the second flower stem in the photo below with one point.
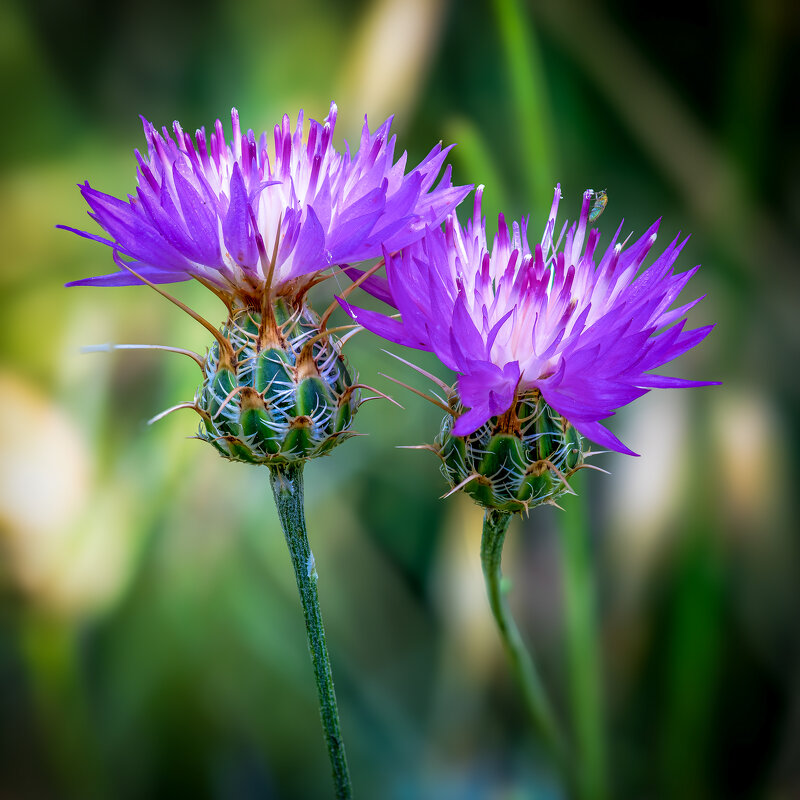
(287, 487)
(495, 525)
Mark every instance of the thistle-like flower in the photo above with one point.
(259, 229)
(546, 343)
(260, 226)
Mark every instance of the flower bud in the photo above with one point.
(276, 388)
(513, 462)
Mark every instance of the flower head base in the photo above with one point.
(512, 319)
(260, 227)
(249, 221)
(517, 461)
(285, 398)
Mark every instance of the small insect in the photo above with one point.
(600, 203)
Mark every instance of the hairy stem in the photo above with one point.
(287, 487)
(495, 525)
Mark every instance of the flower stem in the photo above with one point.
(582, 653)
(495, 525)
(287, 487)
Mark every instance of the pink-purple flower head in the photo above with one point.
(251, 220)
(585, 329)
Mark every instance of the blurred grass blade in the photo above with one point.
(51, 650)
(584, 663)
(478, 164)
(693, 655)
(531, 109)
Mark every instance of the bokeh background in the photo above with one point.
(151, 643)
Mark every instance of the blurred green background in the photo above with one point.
(151, 641)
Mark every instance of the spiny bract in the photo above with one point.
(515, 461)
(276, 390)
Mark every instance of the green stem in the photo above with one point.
(287, 487)
(495, 525)
(582, 653)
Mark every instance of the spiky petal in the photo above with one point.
(218, 211)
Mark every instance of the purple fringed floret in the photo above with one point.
(213, 210)
(511, 319)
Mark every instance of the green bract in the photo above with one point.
(276, 389)
(513, 462)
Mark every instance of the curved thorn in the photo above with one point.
(567, 488)
(428, 447)
(227, 400)
(591, 466)
(323, 333)
(167, 411)
(223, 342)
(378, 393)
(107, 348)
(460, 485)
(596, 453)
(417, 391)
(218, 292)
(440, 383)
(348, 336)
(335, 304)
(262, 394)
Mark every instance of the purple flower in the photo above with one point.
(248, 220)
(587, 335)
